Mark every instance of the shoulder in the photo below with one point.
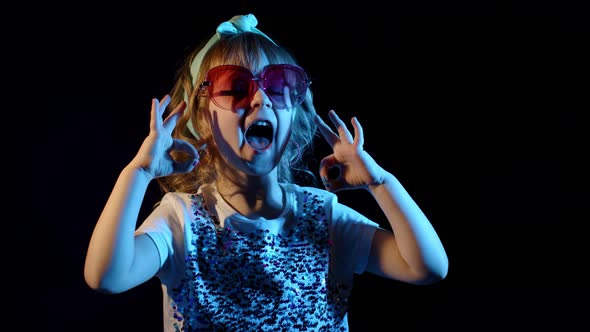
(304, 198)
(175, 201)
(301, 191)
(174, 198)
(337, 211)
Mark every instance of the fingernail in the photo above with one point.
(325, 182)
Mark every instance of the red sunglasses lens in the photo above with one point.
(230, 86)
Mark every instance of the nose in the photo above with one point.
(260, 99)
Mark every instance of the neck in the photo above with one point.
(253, 196)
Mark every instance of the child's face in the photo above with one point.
(253, 135)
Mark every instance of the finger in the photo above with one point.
(359, 137)
(185, 166)
(184, 146)
(172, 119)
(330, 173)
(340, 126)
(154, 115)
(190, 163)
(163, 104)
(326, 131)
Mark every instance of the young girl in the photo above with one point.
(236, 244)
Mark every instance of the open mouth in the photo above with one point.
(259, 135)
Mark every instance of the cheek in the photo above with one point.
(225, 126)
(285, 124)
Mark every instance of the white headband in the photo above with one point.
(237, 24)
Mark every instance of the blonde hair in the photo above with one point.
(245, 49)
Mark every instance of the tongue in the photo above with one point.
(258, 143)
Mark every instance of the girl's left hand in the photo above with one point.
(349, 167)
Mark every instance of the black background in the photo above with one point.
(477, 107)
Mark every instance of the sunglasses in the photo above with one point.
(232, 87)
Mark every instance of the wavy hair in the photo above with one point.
(244, 49)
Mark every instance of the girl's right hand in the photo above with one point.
(154, 156)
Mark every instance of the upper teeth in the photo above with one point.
(261, 123)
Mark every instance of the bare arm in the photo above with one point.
(414, 252)
(114, 263)
(116, 259)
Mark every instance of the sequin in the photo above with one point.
(237, 281)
